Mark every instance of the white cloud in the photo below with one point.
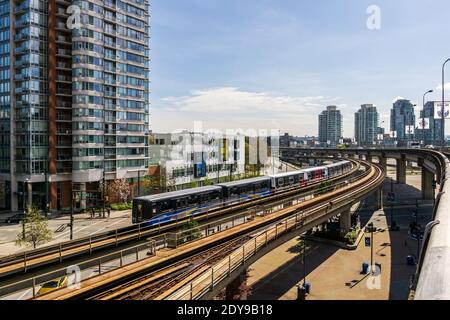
(397, 98)
(231, 108)
(446, 87)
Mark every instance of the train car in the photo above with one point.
(287, 179)
(247, 188)
(316, 174)
(338, 168)
(159, 208)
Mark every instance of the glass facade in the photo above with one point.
(31, 86)
(74, 102)
(5, 87)
(110, 91)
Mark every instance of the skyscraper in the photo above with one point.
(366, 125)
(433, 134)
(330, 126)
(75, 96)
(403, 121)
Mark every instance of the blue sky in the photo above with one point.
(276, 64)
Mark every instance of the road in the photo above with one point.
(83, 226)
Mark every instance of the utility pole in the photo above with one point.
(304, 261)
(138, 183)
(423, 117)
(71, 214)
(46, 192)
(443, 106)
(418, 231)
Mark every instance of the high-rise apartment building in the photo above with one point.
(74, 98)
(330, 126)
(403, 121)
(433, 124)
(366, 125)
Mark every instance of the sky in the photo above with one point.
(260, 64)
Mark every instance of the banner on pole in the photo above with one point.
(423, 124)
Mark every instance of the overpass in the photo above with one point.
(432, 281)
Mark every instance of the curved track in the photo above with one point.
(142, 284)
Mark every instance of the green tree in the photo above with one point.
(35, 231)
(190, 231)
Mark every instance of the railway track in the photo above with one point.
(154, 285)
(203, 283)
(53, 254)
(123, 285)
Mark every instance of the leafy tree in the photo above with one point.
(190, 231)
(119, 189)
(36, 229)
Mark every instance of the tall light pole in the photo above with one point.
(423, 116)
(443, 107)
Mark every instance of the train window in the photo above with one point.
(291, 180)
(280, 181)
(166, 205)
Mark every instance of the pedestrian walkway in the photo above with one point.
(334, 273)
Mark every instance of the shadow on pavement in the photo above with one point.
(286, 276)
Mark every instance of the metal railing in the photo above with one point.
(432, 279)
(29, 288)
(121, 235)
(166, 240)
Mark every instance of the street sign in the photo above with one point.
(367, 241)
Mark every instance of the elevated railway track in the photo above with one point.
(24, 262)
(174, 266)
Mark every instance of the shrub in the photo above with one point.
(351, 236)
(122, 206)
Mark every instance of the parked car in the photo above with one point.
(53, 285)
(17, 218)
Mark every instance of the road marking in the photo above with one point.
(77, 230)
(23, 294)
(109, 225)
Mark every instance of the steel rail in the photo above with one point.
(56, 253)
(315, 202)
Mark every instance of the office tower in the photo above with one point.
(330, 126)
(366, 125)
(76, 96)
(403, 121)
(433, 130)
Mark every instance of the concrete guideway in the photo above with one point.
(63, 250)
(218, 276)
(433, 275)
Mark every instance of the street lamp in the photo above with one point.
(443, 107)
(423, 116)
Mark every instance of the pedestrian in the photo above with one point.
(109, 212)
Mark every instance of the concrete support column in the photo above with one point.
(360, 157)
(401, 171)
(369, 158)
(345, 222)
(238, 289)
(427, 184)
(53, 195)
(83, 196)
(382, 161)
(378, 198)
(29, 194)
